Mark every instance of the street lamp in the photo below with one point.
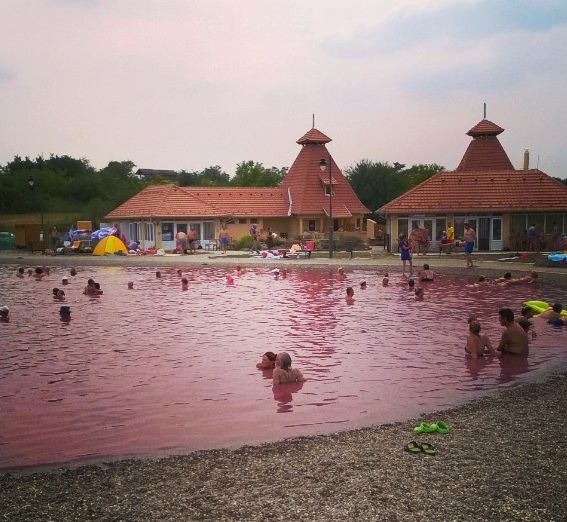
(323, 167)
(31, 183)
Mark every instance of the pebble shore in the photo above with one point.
(503, 460)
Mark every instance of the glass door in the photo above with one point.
(496, 237)
(483, 233)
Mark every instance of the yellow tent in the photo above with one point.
(109, 245)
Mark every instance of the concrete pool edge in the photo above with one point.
(513, 432)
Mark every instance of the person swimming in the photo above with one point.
(65, 280)
(350, 295)
(65, 313)
(363, 285)
(4, 314)
(229, 279)
(268, 361)
(184, 283)
(411, 283)
(73, 272)
(90, 288)
(426, 274)
(158, 274)
(20, 272)
(477, 344)
(385, 279)
(419, 293)
(130, 285)
(283, 372)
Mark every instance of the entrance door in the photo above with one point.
(496, 238)
(483, 233)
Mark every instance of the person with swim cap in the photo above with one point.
(65, 280)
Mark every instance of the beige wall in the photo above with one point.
(505, 230)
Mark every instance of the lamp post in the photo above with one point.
(31, 183)
(323, 167)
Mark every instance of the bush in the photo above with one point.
(348, 241)
(243, 243)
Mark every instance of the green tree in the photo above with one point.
(212, 176)
(253, 174)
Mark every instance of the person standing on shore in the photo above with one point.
(470, 238)
(254, 236)
(405, 252)
(223, 238)
(514, 339)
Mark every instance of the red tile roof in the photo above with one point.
(307, 183)
(485, 153)
(483, 191)
(167, 201)
(485, 128)
(313, 136)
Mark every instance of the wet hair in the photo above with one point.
(524, 323)
(39, 270)
(507, 314)
(130, 284)
(419, 292)
(350, 291)
(386, 274)
(507, 275)
(55, 290)
(97, 286)
(527, 311)
(91, 282)
(481, 279)
(158, 274)
(363, 284)
(73, 272)
(21, 270)
(411, 283)
(474, 327)
(285, 360)
(65, 310)
(471, 319)
(557, 307)
(271, 356)
(426, 266)
(184, 280)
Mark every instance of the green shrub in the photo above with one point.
(243, 243)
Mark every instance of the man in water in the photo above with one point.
(470, 237)
(4, 314)
(514, 338)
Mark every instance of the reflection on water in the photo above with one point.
(156, 369)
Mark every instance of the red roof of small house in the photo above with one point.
(168, 201)
(483, 191)
(307, 183)
(484, 181)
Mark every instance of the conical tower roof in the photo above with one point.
(485, 152)
(306, 183)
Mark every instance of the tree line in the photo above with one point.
(66, 184)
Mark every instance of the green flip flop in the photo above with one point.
(442, 427)
(428, 449)
(413, 447)
(425, 427)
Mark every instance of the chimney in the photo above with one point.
(526, 159)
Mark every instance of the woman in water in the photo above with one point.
(284, 373)
(268, 361)
(477, 344)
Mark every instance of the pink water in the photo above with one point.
(156, 370)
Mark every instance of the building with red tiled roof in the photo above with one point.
(500, 202)
(301, 205)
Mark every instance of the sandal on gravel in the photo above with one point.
(413, 447)
(425, 427)
(428, 449)
(442, 427)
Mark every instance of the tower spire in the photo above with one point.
(313, 126)
(485, 110)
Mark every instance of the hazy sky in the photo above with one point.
(183, 84)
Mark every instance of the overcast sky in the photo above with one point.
(183, 84)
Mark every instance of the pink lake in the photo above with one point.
(156, 370)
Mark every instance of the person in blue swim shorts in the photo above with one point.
(470, 238)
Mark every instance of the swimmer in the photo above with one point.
(130, 285)
(89, 289)
(64, 280)
(552, 313)
(179, 273)
(238, 269)
(527, 325)
(504, 280)
(419, 293)
(341, 273)
(426, 274)
(54, 291)
(65, 313)
(530, 278)
(481, 281)
(385, 279)
(4, 314)
(350, 295)
(158, 274)
(477, 344)
(20, 273)
(268, 361)
(39, 274)
(184, 283)
(284, 273)
(47, 270)
(73, 272)
(363, 285)
(411, 284)
(97, 291)
(284, 373)
(229, 279)
(59, 295)
(30, 272)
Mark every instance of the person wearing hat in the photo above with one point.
(469, 236)
(4, 314)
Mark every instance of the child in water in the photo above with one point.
(385, 279)
(477, 344)
(184, 283)
(284, 373)
(268, 361)
(350, 295)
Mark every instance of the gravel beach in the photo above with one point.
(503, 459)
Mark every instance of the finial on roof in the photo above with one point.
(485, 110)
(313, 126)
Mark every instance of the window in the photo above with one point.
(182, 227)
(242, 221)
(167, 231)
(440, 226)
(230, 221)
(329, 191)
(149, 233)
(208, 230)
(133, 231)
(253, 221)
(553, 223)
(496, 229)
(403, 226)
(311, 225)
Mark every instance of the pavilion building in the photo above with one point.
(299, 206)
(485, 190)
